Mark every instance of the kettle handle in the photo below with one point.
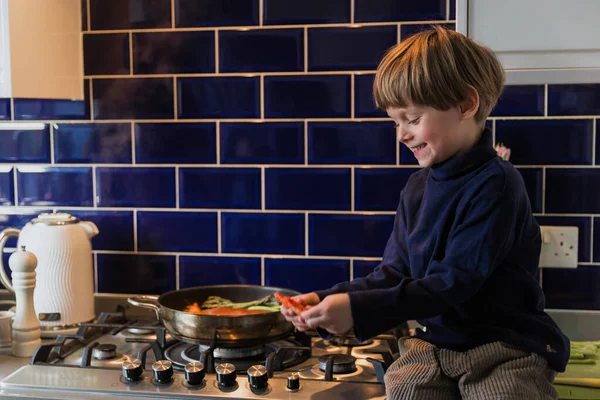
(4, 236)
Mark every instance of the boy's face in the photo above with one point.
(433, 136)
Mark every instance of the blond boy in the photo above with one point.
(463, 256)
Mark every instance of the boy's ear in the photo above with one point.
(469, 106)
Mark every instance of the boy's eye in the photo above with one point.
(415, 121)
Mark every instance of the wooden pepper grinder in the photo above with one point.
(26, 331)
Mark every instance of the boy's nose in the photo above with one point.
(402, 134)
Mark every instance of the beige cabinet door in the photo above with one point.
(46, 49)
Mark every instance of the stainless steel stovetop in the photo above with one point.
(114, 358)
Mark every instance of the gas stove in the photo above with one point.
(115, 357)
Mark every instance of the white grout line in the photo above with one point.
(219, 233)
(131, 53)
(305, 49)
(306, 223)
(398, 36)
(217, 52)
(37, 166)
(254, 120)
(52, 156)
(306, 143)
(448, 9)
(215, 210)
(177, 273)
(543, 190)
(545, 100)
(15, 185)
(352, 189)
(12, 108)
(351, 269)
(133, 157)
(594, 121)
(135, 232)
(218, 141)
(262, 97)
(261, 7)
(175, 99)
(173, 14)
(494, 132)
(227, 74)
(176, 187)
(266, 27)
(397, 151)
(94, 188)
(262, 271)
(250, 255)
(352, 6)
(262, 189)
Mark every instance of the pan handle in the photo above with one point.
(146, 302)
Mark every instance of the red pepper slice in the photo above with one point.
(288, 302)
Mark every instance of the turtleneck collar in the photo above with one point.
(459, 165)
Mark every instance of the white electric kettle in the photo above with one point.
(64, 290)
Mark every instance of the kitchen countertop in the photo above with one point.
(9, 363)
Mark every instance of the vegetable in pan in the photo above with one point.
(216, 305)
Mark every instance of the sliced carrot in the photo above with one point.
(290, 303)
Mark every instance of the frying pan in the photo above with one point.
(227, 331)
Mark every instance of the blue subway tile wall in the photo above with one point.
(92, 143)
(291, 273)
(328, 49)
(106, 54)
(204, 271)
(229, 97)
(163, 143)
(294, 188)
(199, 13)
(313, 96)
(129, 14)
(281, 12)
(259, 50)
(237, 141)
(4, 109)
(351, 143)
(177, 231)
(7, 191)
(31, 145)
(262, 143)
(220, 187)
(173, 52)
(135, 187)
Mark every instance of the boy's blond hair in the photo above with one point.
(435, 68)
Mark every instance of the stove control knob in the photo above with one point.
(293, 381)
(163, 371)
(194, 373)
(132, 370)
(258, 377)
(226, 375)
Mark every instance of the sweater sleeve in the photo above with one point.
(476, 245)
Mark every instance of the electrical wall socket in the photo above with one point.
(559, 246)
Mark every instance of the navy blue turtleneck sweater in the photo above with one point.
(462, 260)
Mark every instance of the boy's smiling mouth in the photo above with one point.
(418, 148)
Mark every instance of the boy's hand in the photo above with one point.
(332, 314)
(309, 299)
